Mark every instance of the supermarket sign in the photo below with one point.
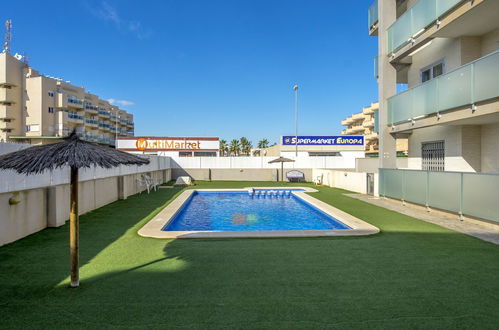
(334, 140)
(168, 144)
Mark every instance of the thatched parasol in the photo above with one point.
(76, 154)
(281, 160)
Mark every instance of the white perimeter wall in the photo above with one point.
(353, 181)
(345, 161)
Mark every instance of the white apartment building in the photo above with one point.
(38, 109)
(366, 123)
(446, 54)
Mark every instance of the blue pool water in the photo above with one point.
(234, 211)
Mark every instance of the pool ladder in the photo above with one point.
(270, 193)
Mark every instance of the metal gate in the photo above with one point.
(370, 183)
(433, 156)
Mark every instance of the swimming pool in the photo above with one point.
(258, 209)
(252, 212)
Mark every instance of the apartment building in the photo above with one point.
(366, 123)
(38, 109)
(445, 54)
(438, 75)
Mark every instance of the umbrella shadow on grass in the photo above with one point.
(40, 261)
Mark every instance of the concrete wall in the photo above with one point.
(346, 160)
(43, 200)
(348, 180)
(490, 148)
(455, 158)
(468, 148)
(49, 206)
(370, 165)
(6, 147)
(244, 174)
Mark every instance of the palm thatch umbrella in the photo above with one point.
(76, 154)
(281, 160)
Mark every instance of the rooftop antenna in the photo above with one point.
(8, 36)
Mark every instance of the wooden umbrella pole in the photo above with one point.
(282, 171)
(73, 228)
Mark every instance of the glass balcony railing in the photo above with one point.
(75, 116)
(75, 101)
(416, 19)
(474, 82)
(373, 14)
(91, 121)
(91, 107)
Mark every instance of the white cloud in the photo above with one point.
(106, 12)
(122, 103)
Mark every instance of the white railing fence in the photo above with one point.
(260, 162)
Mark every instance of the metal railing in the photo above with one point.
(474, 82)
(466, 193)
(414, 21)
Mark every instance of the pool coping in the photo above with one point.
(154, 227)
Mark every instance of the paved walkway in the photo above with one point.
(482, 230)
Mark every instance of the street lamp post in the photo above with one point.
(295, 88)
(116, 129)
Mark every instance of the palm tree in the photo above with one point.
(245, 145)
(262, 144)
(235, 147)
(224, 148)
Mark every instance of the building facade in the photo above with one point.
(445, 55)
(38, 109)
(366, 123)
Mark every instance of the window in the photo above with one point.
(323, 154)
(204, 154)
(433, 156)
(32, 128)
(185, 154)
(51, 110)
(51, 94)
(432, 71)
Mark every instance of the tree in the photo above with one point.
(262, 144)
(245, 145)
(224, 148)
(235, 147)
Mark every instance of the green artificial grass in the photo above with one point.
(411, 275)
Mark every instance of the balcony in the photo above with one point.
(74, 103)
(416, 19)
(370, 137)
(7, 85)
(91, 122)
(376, 66)
(73, 117)
(347, 121)
(6, 126)
(372, 19)
(91, 109)
(357, 129)
(467, 86)
(103, 113)
(368, 123)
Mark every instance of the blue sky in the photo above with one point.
(208, 68)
